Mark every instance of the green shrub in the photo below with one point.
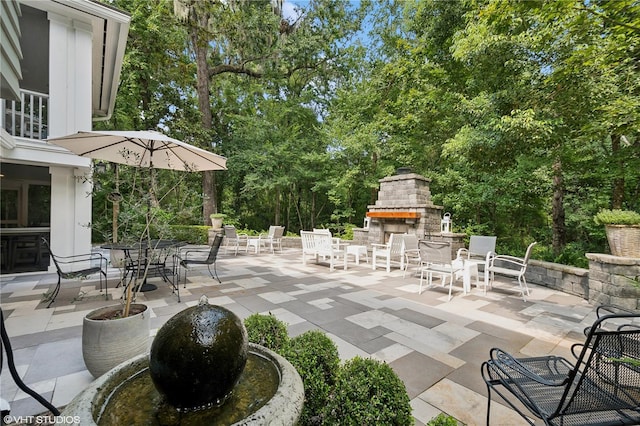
(267, 331)
(193, 234)
(368, 392)
(316, 358)
(443, 420)
(617, 217)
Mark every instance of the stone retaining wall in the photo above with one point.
(568, 279)
(614, 280)
(609, 279)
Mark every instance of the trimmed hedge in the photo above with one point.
(267, 331)
(368, 393)
(359, 392)
(316, 358)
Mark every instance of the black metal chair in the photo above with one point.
(602, 387)
(66, 266)
(182, 260)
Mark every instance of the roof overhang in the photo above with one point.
(110, 28)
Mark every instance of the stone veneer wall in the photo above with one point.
(568, 279)
(609, 279)
(614, 280)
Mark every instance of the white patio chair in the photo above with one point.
(436, 259)
(235, 240)
(272, 239)
(481, 249)
(390, 252)
(410, 251)
(511, 266)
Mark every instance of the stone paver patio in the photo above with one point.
(436, 347)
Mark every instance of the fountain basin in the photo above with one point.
(93, 405)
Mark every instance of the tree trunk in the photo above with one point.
(618, 181)
(559, 228)
(277, 207)
(210, 200)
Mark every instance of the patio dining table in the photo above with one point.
(138, 258)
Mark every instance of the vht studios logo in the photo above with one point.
(55, 420)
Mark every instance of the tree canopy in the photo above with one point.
(524, 114)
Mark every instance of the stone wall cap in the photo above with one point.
(410, 207)
(614, 260)
(407, 176)
(580, 272)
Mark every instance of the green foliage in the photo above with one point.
(316, 358)
(442, 420)
(523, 114)
(617, 217)
(193, 234)
(267, 331)
(217, 216)
(368, 393)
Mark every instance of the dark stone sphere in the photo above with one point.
(197, 356)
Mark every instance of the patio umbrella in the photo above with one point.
(142, 149)
(145, 148)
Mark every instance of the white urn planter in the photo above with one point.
(216, 221)
(109, 342)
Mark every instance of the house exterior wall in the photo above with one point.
(70, 111)
(10, 53)
(73, 71)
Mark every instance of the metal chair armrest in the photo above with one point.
(507, 259)
(184, 254)
(506, 363)
(603, 310)
(462, 252)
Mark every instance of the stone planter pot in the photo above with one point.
(624, 240)
(109, 342)
(216, 222)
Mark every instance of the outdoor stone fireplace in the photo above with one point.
(404, 206)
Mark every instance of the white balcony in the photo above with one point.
(26, 118)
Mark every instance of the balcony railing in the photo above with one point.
(26, 118)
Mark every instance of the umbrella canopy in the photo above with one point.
(142, 149)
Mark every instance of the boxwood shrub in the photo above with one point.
(267, 331)
(368, 393)
(316, 358)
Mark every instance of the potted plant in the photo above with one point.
(623, 231)
(109, 338)
(216, 220)
(117, 333)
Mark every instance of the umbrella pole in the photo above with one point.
(116, 206)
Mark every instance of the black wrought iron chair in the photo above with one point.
(77, 267)
(602, 387)
(182, 260)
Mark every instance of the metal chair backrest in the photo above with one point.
(435, 252)
(215, 247)
(230, 232)
(607, 372)
(278, 232)
(53, 257)
(410, 242)
(528, 253)
(480, 245)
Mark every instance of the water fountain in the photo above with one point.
(200, 371)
